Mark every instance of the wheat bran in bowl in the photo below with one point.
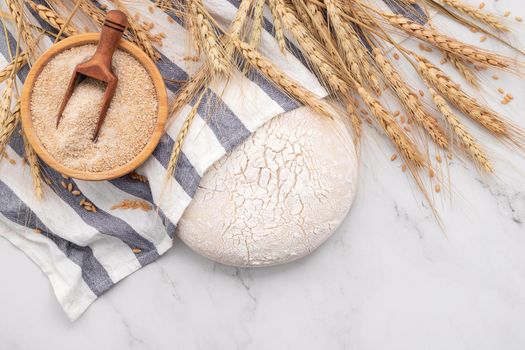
(129, 124)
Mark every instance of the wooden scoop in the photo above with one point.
(99, 66)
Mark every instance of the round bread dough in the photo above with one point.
(276, 197)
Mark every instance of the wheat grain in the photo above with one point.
(432, 36)
(52, 18)
(487, 18)
(410, 101)
(470, 143)
(138, 177)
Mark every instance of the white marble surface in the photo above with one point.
(389, 278)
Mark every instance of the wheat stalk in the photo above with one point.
(476, 13)
(280, 79)
(52, 18)
(432, 36)
(208, 39)
(452, 92)
(34, 167)
(472, 146)
(410, 100)
(14, 66)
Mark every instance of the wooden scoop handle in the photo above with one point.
(114, 25)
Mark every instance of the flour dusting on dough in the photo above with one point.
(276, 197)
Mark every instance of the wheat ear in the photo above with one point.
(250, 54)
(14, 66)
(177, 148)
(191, 28)
(258, 19)
(354, 119)
(313, 50)
(404, 145)
(446, 43)
(410, 100)
(52, 18)
(140, 35)
(189, 89)
(463, 69)
(471, 145)
(92, 11)
(352, 45)
(277, 26)
(208, 39)
(343, 38)
(474, 12)
(8, 125)
(320, 26)
(466, 104)
(34, 167)
(7, 95)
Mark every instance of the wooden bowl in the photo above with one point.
(27, 122)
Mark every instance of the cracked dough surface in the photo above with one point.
(278, 196)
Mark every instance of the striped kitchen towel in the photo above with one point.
(84, 253)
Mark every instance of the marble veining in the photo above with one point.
(389, 278)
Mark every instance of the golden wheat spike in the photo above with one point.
(446, 43)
